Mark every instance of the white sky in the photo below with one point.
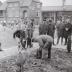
(53, 2)
(2, 0)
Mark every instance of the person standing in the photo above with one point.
(51, 29)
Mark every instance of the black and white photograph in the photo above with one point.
(35, 35)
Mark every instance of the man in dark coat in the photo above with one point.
(43, 28)
(60, 27)
(67, 30)
(50, 29)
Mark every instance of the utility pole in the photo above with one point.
(63, 4)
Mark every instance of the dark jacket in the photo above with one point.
(50, 29)
(67, 30)
(43, 28)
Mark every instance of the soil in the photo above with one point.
(60, 61)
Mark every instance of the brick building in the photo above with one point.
(21, 9)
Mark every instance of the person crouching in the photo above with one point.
(45, 42)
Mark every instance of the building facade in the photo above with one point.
(57, 12)
(21, 9)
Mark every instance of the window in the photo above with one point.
(13, 12)
(38, 13)
(13, 4)
(1, 13)
(10, 5)
(24, 14)
(38, 5)
(13, 9)
(16, 4)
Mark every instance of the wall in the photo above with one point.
(13, 9)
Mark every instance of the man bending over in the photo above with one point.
(45, 42)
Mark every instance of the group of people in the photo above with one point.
(46, 35)
(25, 35)
(64, 30)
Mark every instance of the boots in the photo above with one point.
(39, 54)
